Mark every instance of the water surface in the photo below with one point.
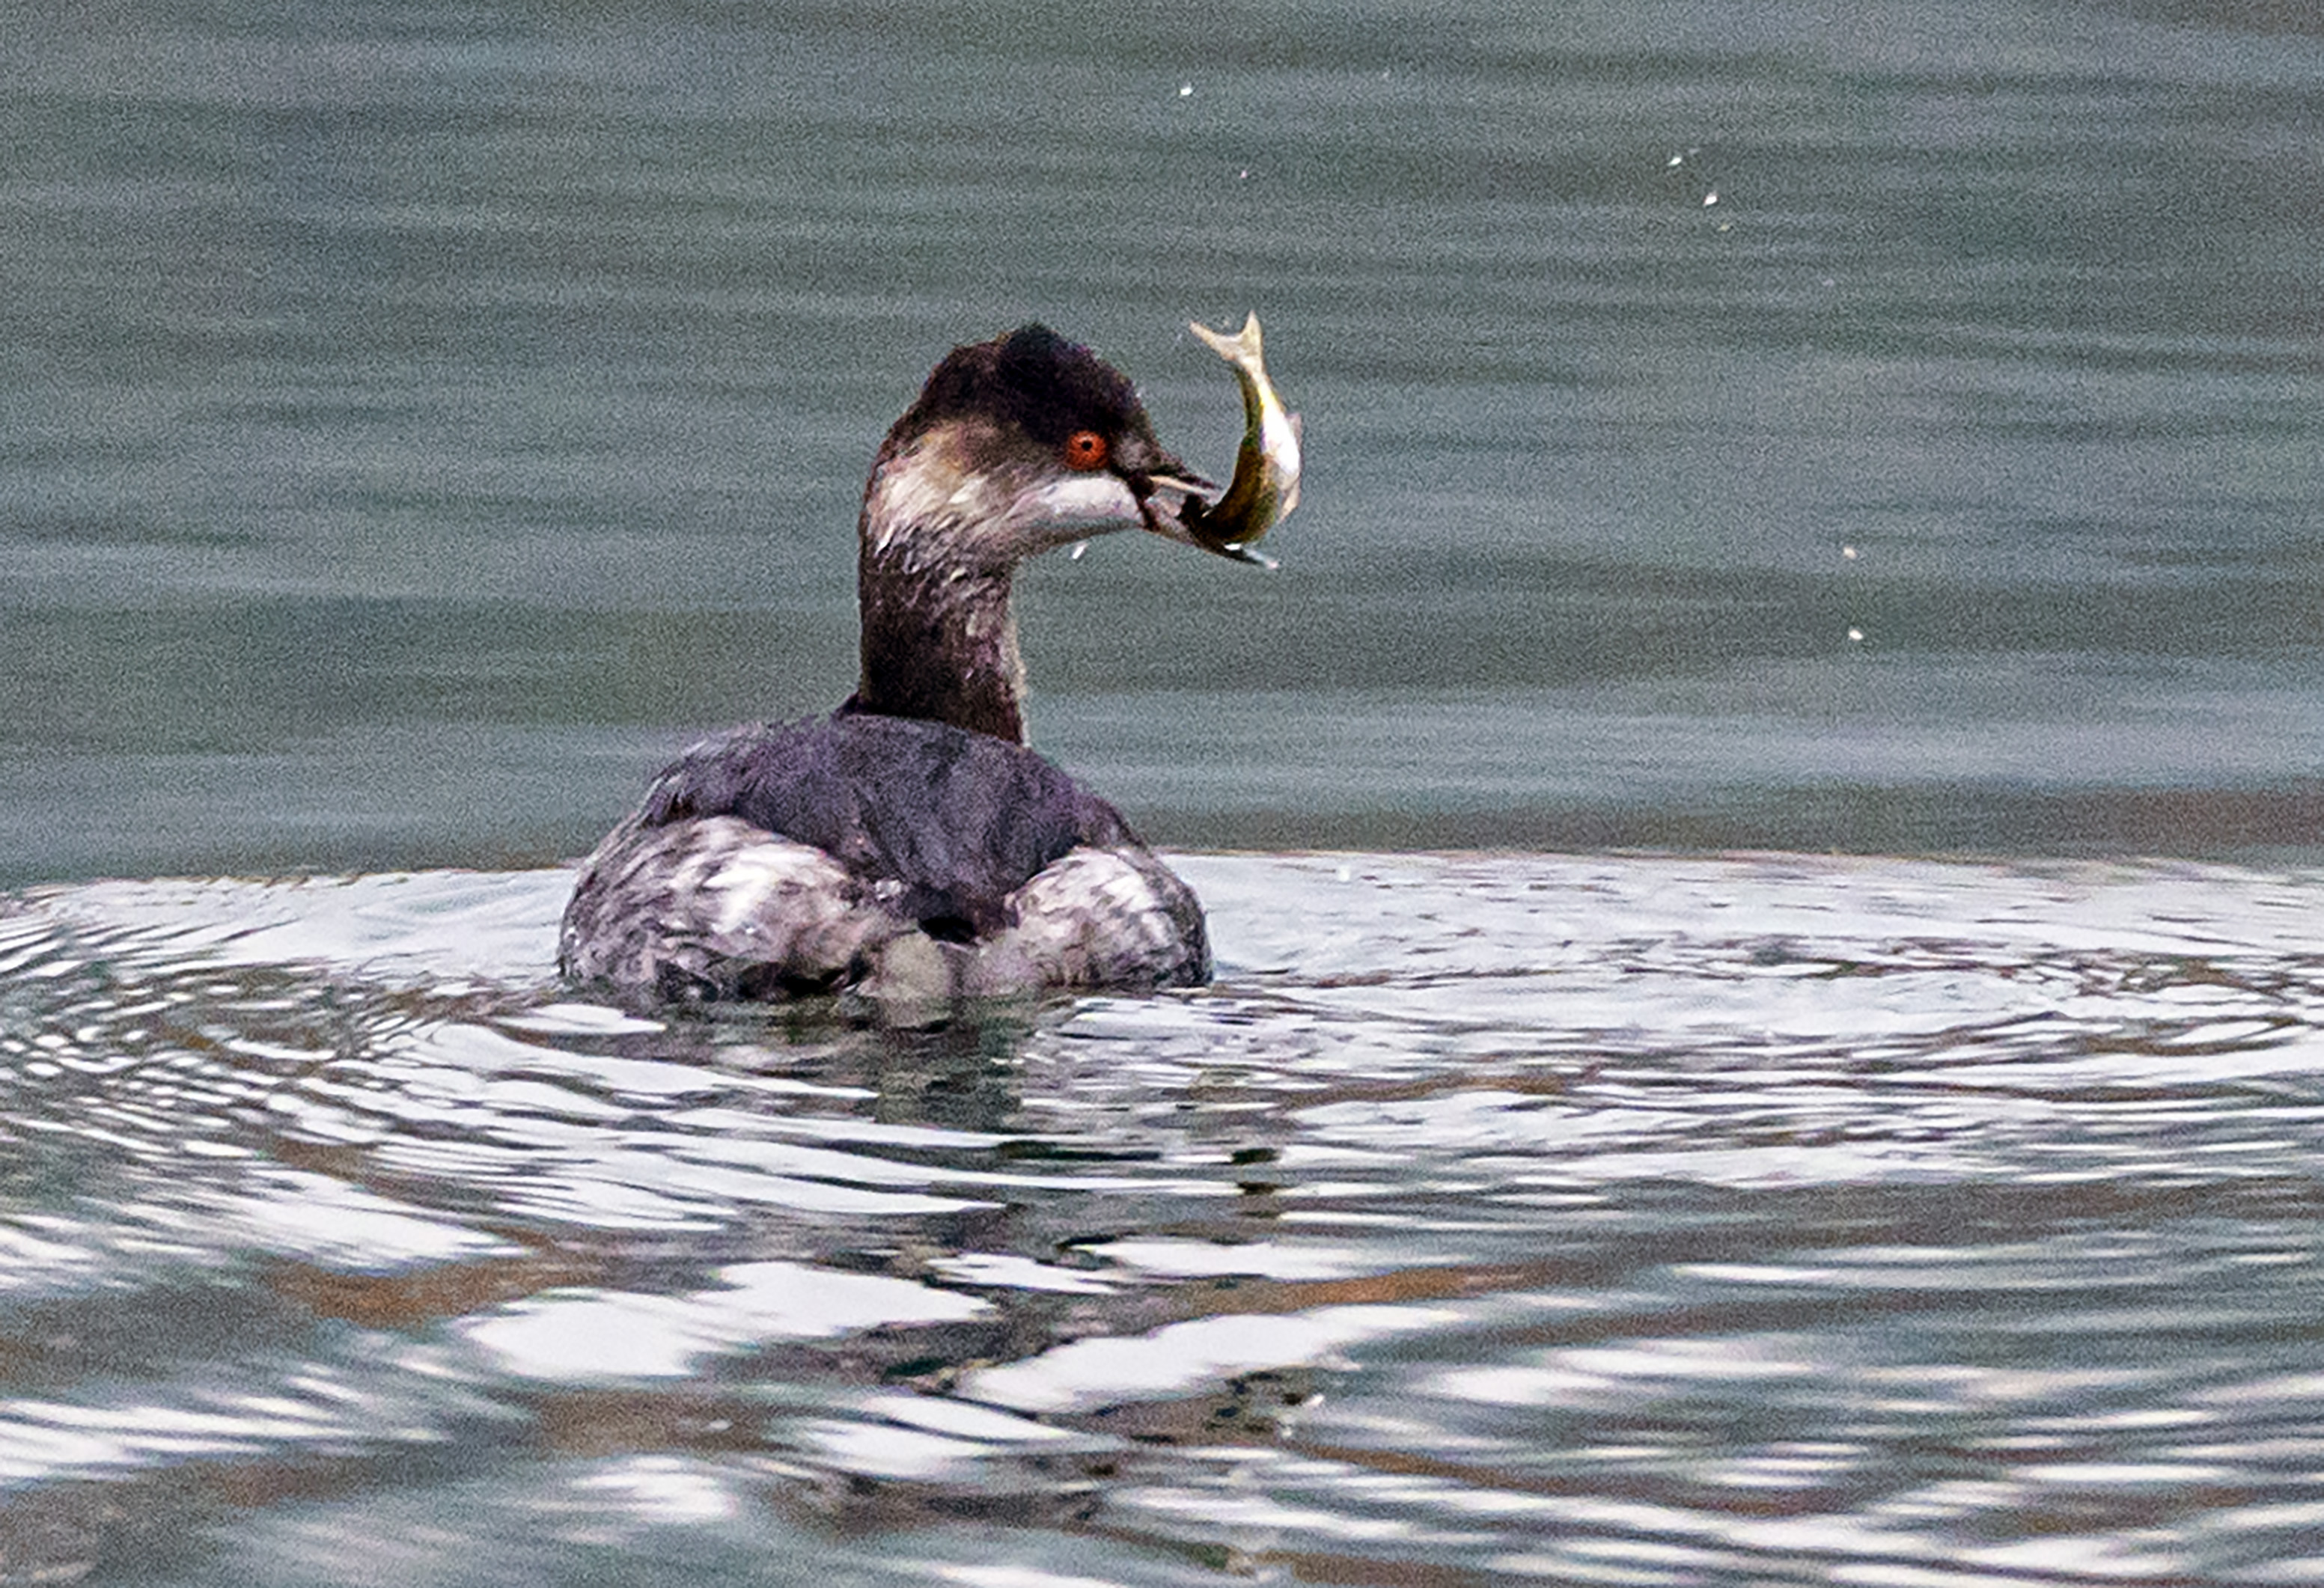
(1730, 426)
(1491, 1218)
(420, 420)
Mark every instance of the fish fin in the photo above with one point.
(1243, 345)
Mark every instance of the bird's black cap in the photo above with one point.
(1036, 380)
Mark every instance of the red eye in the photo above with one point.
(1085, 449)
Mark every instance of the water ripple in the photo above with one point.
(1594, 1219)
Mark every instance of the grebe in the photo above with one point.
(910, 846)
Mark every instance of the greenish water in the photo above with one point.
(419, 419)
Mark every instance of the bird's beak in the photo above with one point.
(1165, 513)
(1162, 499)
(1163, 487)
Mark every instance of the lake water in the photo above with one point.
(1622, 1220)
(1730, 426)
(419, 419)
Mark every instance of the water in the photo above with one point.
(1730, 426)
(420, 420)
(1591, 1220)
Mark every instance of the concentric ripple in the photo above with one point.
(1622, 1219)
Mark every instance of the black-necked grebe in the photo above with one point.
(909, 844)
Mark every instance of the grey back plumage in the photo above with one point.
(960, 820)
(815, 854)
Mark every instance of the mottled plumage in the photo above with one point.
(910, 845)
(792, 857)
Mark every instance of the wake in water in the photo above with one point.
(1630, 1218)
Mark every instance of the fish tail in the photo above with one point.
(1244, 347)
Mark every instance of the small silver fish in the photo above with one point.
(1266, 484)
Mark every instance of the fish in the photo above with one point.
(1266, 484)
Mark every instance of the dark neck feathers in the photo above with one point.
(939, 640)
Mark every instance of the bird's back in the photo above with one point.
(798, 855)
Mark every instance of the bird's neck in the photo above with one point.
(940, 643)
(939, 640)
